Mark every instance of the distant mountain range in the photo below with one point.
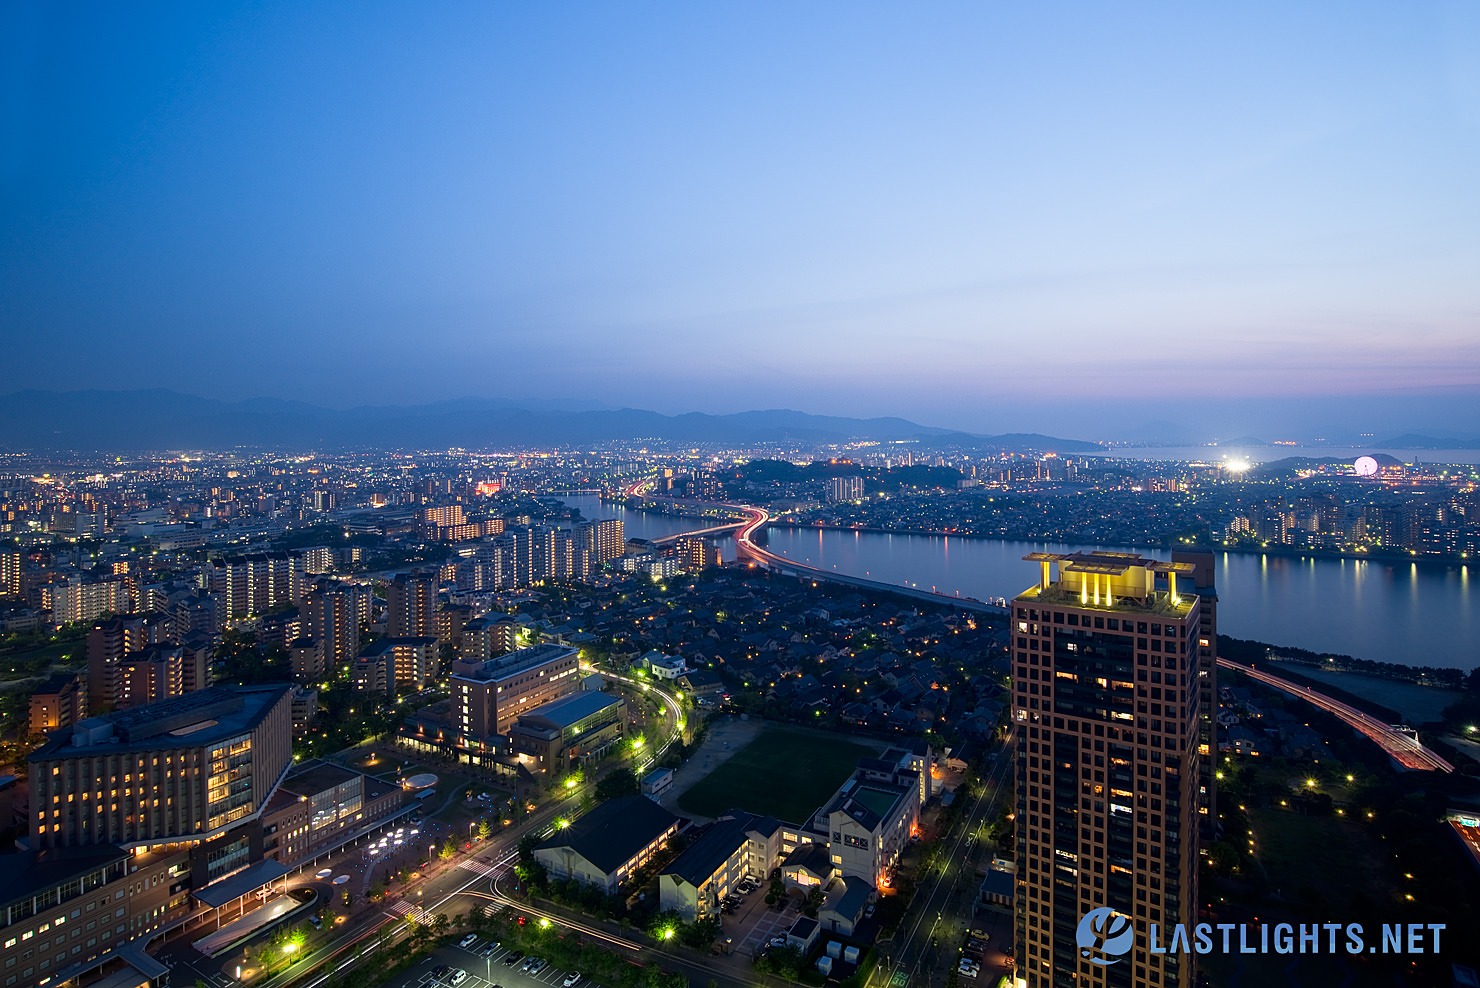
(159, 419)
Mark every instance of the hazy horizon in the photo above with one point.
(1059, 219)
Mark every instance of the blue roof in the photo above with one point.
(572, 709)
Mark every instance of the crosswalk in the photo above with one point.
(479, 867)
(403, 908)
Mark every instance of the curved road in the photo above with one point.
(758, 518)
(1406, 751)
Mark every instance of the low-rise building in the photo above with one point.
(606, 846)
(808, 867)
(657, 782)
(698, 880)
(571, 730)
(321, 806)
(843, 909)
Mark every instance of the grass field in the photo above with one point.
(1320, 861)
(783, 773)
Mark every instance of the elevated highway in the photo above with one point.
(1404, 748)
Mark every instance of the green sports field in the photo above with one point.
(782, 773)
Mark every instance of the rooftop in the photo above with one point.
(701, 859)
(27, 873)
(569, 710)
(383, 645)
(318, 778)
(1158, 603)
(610, 835)
(814, 857)
(511, 664)
(195, 719)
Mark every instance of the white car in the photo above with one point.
(573, 979)
(468, 941)
(458, 977)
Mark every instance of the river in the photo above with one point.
(635, 524)
(1389, 612)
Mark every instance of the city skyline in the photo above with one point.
(936, 214)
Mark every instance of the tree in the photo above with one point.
(484, 829)
(618, 782)
(449, 848)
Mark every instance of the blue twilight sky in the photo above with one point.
(992, 216)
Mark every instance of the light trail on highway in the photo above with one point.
(1406, 751)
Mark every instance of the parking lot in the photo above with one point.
(484, 971)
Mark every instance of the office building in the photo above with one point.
(319, 806)
(147, 820)
(1105, 654)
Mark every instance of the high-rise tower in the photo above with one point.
(1105, 657)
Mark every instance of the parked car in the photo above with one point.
(458, 977)
(539, 965)
(528, 963)
(491, 949)
(468, 941)
(441, 971)
(573, 979)
(513, 957)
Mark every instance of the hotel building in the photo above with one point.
(1105, 656)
